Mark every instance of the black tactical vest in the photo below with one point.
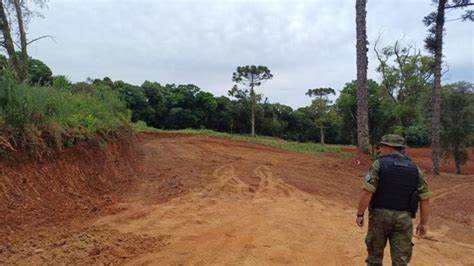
(398, 180)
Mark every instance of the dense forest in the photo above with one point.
(398, 103)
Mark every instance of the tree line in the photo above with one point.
(399, 103)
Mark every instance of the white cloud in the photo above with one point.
(306, 44)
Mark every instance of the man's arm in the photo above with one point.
(364, 200)
(425, 194)
(422, 228)
(368, 188)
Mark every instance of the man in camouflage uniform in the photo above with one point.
(393, 185)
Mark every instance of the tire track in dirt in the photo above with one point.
(270, 184)
(441, 236)
(228, 182)
(267, 186)
(441, 193)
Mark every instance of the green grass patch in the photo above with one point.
(141, 126)
(307, 148)
(39, 120)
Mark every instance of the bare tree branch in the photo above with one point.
(401, 60)
(17, 44)
(446, 69)
(383, 65)
(454, 19)
(460, 5)
(39, 38)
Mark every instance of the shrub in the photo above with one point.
(41, 119)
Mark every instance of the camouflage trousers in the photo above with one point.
(394, 226)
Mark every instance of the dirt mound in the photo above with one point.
(82, 246)
(77, 183)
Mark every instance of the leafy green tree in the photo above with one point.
(40, 74)
(457, 121)
(240, 122)
(222, 117)
(156, 96)
(274, 119)
(242, 108)
(61, 82)
(83, 87)
(321, 108)
(381, 112)
(434, 43)
(181, 102)
(406, 76)
(204, 106)
(251, 77)
(301, 126)
(135, 99)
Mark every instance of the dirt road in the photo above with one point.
(208, 201)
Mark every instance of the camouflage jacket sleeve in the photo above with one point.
(423, 189)
(372, 179)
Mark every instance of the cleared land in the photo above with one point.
(200, 200)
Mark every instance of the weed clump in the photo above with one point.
(40, 119)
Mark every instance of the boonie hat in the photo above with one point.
(393, 140)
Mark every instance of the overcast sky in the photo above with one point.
(306, 44)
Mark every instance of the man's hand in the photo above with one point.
(364, 200)
(360, 221)
(421, 230)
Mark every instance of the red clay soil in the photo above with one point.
(423, 158)
(74, 184)
(201, 200)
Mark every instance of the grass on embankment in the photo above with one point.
(307, 148)
(39, 120)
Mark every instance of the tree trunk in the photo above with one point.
(458, 168)
(458, 165)
(23, 75)
(253, 103)
(8, 41)
(436, 100)
(362, 62)
(405, 135)
(321, 131)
